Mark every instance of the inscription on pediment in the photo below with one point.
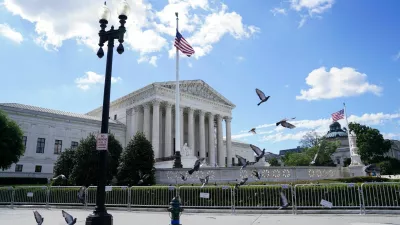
(198, 90)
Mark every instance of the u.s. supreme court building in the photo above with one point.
(205, 116)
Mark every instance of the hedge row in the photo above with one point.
(261, 196)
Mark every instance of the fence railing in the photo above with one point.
(328, 196)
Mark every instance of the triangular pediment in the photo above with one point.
(198, 88)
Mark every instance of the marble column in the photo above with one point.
(191, 129)
(146, 120)
(168, 130)
(220, 142)
(136, 125)
(228, 141)
(155, 137)
(202, 135)
(182, 123)
(211, 149)
(129, 131)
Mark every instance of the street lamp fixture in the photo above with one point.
(100, 215)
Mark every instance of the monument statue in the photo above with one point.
(186, 150)
(355, 157)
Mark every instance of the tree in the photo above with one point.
(370, 142)
(310, 139)
(273, 162)
(11, 144)
(64, 165)
(86, 163)
(138, 156)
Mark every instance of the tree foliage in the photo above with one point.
(310, 139)
(11, 145)
(64, 165)
(86, 163)
(370, 142)
(138, 156)
(274, 162)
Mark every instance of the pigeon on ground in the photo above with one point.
(204, 181)
(142, 177)
(39, 219)
(284, 201)
(286, 124)
(257, 174)
(258, 151)
(242, 161)
(196, 166)
(253, 130)
(68, 218)
(183, 177)
(81, 194)
(243, 181)
(262, 96)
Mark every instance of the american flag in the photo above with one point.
(338, 115)
(183, 45)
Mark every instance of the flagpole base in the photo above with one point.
(178, 160)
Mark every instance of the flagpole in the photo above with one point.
(177, 161)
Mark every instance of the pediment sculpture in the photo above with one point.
(186, 150)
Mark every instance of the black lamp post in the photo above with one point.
(100, 215)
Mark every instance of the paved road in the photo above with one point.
(54, 217)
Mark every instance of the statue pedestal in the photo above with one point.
(357, 171)
(188, 161)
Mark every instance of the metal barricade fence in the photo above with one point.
(152, 196)
(262, 196)
(64, 195)
(385, 195)
(206, 197)
(328, 195)
(6, 195)
(115, 196)
(30, 195)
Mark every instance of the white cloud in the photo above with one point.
(149, 31)
(277, 10)
(312, 6)
(151, 60)
(336, 83)
(270, 132)
(10, 33)
(392, 136)
(91, 78)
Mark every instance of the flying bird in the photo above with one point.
(39, 219)
(196, 166)
(68, 218)
(258, 151)
(253, 130)
(81, 194)
(262, 96)
(142, 177)
(59, 176)
(183, 177)
(242, 161)
(284, 201)
(256, 174)
(286, 124)
(204, 181)
(243, 181)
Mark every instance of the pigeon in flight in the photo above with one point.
(142, 177)
(256, 174)
(284, 201)
(81, 194)
(286, 124)
(204, 181)
(242, 161)
(68, 218)
(59, 176)
(262, 96)
(243, 181)
(196, 166)
(258, 151)
(183, 177)
(253, 130)
(39, 219)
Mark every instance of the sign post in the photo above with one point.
(102, 142)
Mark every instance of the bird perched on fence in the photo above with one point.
(242, 161)
(204, 181)
(253, 130)
(256, 174)
(39, 219)
(262, 96)
(196, 166)
(286, 124)
(284, 201)
(68, 218)
(258, 151)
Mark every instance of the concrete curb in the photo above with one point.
(218, 211)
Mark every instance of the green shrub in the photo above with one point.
(22, 181)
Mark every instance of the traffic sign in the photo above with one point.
(102, 142)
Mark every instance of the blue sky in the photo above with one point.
(349, 51)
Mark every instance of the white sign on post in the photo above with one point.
(102, 142)
(204, 195)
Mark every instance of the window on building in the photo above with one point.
(18, 168)
(74, 145)
(24, 141)
(57, 147)
(115, 117)
(38, 169)
(40, 145)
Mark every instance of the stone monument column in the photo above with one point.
(156, 128)
(211, 149)
(356, 166)
(220, 142)
(191, 128)
(168, 129)
(146, 121)
(228, 141)
(202, 135)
